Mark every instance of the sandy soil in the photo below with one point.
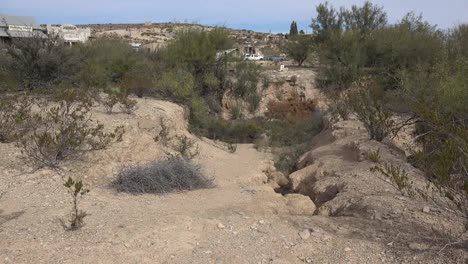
(241, 220)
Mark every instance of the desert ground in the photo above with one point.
(337, 210)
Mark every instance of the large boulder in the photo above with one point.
(299, 204)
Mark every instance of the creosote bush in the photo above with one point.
(369, 104)
(77, 191)
(186, 148)
(64, 130)
(161, 177)
(398, 177)
(15, 113)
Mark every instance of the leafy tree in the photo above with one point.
(196, 50)
(299, 48)
(366, 19)
(328, 20)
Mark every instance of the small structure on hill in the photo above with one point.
(13, 27)
(71, 34)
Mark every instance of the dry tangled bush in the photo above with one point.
(166, 176)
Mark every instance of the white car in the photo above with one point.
(253, 57)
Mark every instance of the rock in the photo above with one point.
(426, 209)
(221, 226)
(305, 234)
(303, 179)
(417, 246)
(299, 204)
(279, 178)
(347, 249)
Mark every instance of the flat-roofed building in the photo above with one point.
(70, 33)
(12, 27)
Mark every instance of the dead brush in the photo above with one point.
(161, 177)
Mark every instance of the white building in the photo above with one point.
(12, 27)
(70, 33)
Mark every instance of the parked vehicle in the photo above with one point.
(275, 58)
(253, 57)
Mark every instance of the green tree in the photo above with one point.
(293, 29)
(299, 48)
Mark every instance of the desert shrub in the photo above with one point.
(160, 177)
(437, 100)
(397, 176)
(236, 112)
(373, 156)
(178, 84)
(203, 123)
(254, 101)
(293, 131)
(110, 101)
(186, 148)
(246, 79)
(292, 107)
(77, 191)
(128, 105)
(63, 130)
(40, 62)
(138, 79)
(15, 113)
(338, 107)
(369, 104)
(195, 50)
(108, 62)
(164, 134)
(286, 158)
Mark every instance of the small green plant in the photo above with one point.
(128, 105)
(77, 191)
(398, 177)
(232, 147)
(265, 82)
(236, 112)
(110, 101)
(186, 148)
(163, 135)
(373, 156)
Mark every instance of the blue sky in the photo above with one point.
(260, 15)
